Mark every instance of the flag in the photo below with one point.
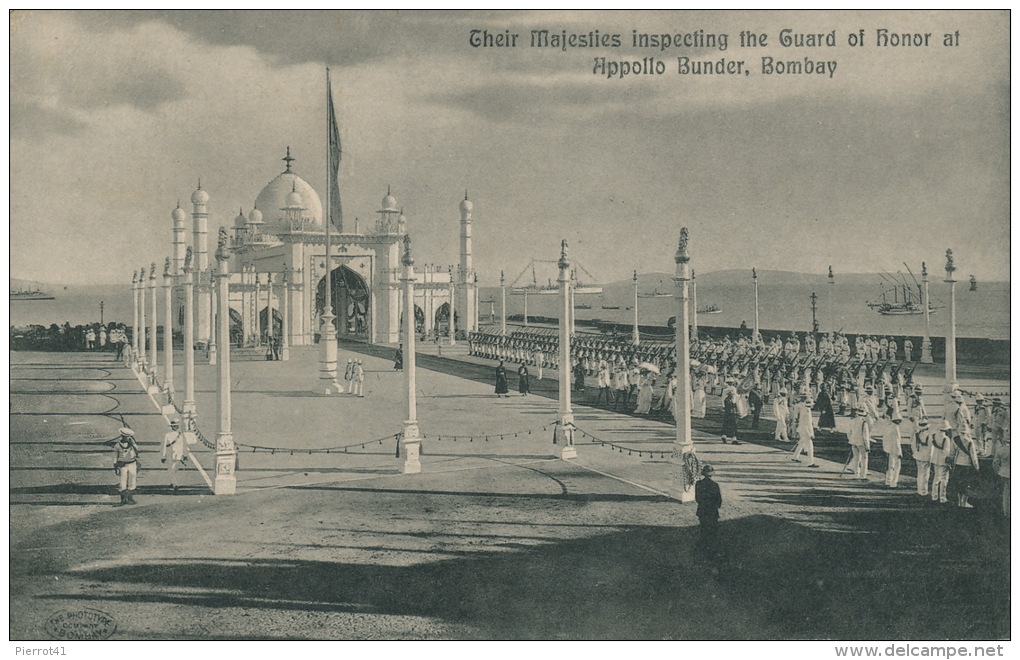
(335, 211)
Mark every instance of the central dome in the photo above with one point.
(274, 196)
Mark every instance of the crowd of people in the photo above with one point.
(808, 384)
(87, 337)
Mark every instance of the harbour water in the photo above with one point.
(782, 306)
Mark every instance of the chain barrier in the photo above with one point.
(342, 449)
(621, 448)
(485, 437)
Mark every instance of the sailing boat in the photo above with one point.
(904, 299)
(550, 288)
(973, 283)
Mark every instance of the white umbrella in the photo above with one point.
(648, 366)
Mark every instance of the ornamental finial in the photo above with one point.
(222, 253)
(635, 277)
(681, 250)
(502, 279)
(563, 263)
(924, 269)
(949, 263)
(407, 259)
(287, 159)
(830, 272)
(166, 266)
(152, 271)
(134, 277)
(754, 274)
(188, 256)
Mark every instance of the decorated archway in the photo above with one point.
(350, 301)
(277, 322)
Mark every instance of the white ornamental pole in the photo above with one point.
(926, 341)
(213, 349)
(225, 482)
(189, 336)
(168, 329)
(502, 306)
(411, 439)
(684, 443)
(694, 307)
(951, 330)
(564, 435)
(453, 314)
(135, 326)
(142, 327)
(757, 330)
(525, 307)
(285, 340)
(832, 303)
(153, 343)
(635, 333)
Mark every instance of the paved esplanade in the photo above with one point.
(494, 539)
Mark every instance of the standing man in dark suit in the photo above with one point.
(709, 499)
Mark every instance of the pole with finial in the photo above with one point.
(564, 435)
(134, 326)
(168, 330)
(189, 335)
(285, 312)
(951, 329)
(832, 304)
(410, 440)
(502, 305)
(226, 450)
(453, 312)
(143, 329)
(153, 324)
(694, 307)
(328, 383)
(756, 338)
(926, 340)
(683, 450)
(636, 332)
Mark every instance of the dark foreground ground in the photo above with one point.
(491, 541)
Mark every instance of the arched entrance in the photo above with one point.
(419, 320)
(442, 320)
(350, 301)
(277, 322)
(236, 328)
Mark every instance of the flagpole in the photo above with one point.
(327, 367)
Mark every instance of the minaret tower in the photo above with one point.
(467, 289)
(200, 217)
(180, 231)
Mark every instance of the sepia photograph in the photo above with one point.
(557, 325)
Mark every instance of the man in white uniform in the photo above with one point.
(175, 449)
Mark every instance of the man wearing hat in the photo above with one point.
(709, 499)
(965, 466)
(859, 438)
(175, 445)
(891, 439)
(357, 379)
(921, 451)
(982, 426)
(941, 445)
(803, 426)
(126, 465)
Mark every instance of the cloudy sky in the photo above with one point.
(902, 153)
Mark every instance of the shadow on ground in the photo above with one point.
(774, 580)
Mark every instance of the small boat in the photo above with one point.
(710, 309)
(973, 283)
(610, 307)
(582, 306)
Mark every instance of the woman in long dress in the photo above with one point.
(699, 405)
(501, 384)
(827, 421)
(729, 417)
(523, 381)
(644, 397)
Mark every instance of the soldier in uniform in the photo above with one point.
(175, 445)
(358, 378)
(921, 450)
(859, 438)
(126, 465)
(349, 374)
